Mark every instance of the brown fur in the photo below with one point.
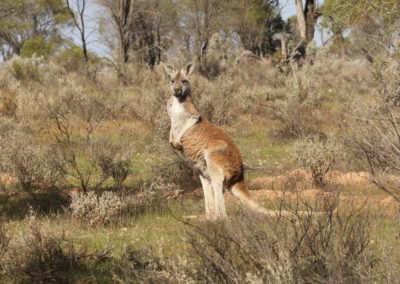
(205, 136)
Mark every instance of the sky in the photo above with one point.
(288, 8)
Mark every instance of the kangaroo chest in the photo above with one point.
(178, 115)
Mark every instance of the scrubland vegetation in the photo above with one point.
(91, 192)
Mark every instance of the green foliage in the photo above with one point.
(370, 23)
(257, 22)
(37, 47)
(27, 20)
(25, 69)
(71, 58)
(351, 12)
(259, 12)
(56, 8)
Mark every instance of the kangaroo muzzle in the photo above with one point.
(179, 92)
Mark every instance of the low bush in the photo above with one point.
(114, 159)
(298, 120)
(333, 247)
(8, 93)
(141, 266)
(36, 256)
(319, 154)
(4, 238)
(105, 208)
(324, 248)
(76, 115)
(95, 209)
(217, 100)
(375, 136)
(33, 164)
(25, 69)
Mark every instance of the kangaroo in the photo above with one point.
(207, 148)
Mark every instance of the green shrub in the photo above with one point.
(25, 69)
(37, 47)
(71, 59)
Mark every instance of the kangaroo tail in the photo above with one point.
(240, 191)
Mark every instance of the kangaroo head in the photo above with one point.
(179, 80)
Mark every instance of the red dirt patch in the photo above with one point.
(6, 179)
(303, 179)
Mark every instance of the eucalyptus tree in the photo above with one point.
(23, 20)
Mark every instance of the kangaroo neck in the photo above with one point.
(185, 98)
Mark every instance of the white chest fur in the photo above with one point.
(178, 115)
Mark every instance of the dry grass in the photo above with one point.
(63, 130)
(36, 255)
(246, 249)
(25, 158)
(347, 245)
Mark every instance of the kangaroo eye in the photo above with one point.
(172, 81)
(184, 81)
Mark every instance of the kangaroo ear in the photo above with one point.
(189, 68)
(168, 69)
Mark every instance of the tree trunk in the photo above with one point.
(83, 31)
(79, 22)
(306, 20)
(301, 20)
(122, 15)
(84, 48)
(124, 22)
(310, 17)
(283, 47)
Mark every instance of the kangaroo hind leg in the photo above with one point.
(217, 181)
(208, 197)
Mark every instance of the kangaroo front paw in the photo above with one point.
(194, 119)
(176, 144)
